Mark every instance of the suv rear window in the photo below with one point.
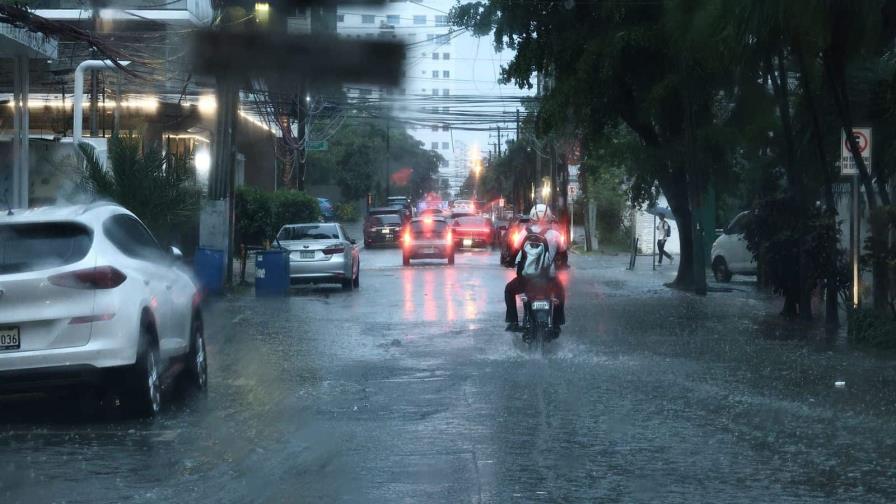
(40, 246)
(385, 220)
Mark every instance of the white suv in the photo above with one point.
(87, 295)
(729, 252)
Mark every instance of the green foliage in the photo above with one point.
(605, 188)
(292, 207)
(869, 328)
(253, 215)
(795, 247)
(161, 191)
(346, 212)
(358, 159)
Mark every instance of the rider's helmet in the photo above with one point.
(540, 212)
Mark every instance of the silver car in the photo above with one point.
(321, 253)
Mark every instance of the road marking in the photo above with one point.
(410, 379)
(239, 317)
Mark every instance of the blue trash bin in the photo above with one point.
(272, 273)
(209, 267)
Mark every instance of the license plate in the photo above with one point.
(306, 255)
(385, 231)
(9, 338)
(429, 250)
(468, 242)
(540, 305)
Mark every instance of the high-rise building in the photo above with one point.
(449, 98)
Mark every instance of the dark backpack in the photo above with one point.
(668, 229)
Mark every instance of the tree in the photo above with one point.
(615, 63)
(160, 190)
(357, 159)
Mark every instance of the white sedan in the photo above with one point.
(87, 295)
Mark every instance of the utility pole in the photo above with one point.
(499, 141)
(386, 164)
(517, 125)
(301, 154)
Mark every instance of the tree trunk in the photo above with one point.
(880, 270)
(674, 187)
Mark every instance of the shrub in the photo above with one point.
(292, 207)
(253, 215)
(346, 212)
(867, 328)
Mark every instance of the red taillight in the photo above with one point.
(407, 237)
(101, 277)
(336, 249)
(518, 238)
(449, 238)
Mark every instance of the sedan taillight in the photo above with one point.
(335, 249)
(101, 277)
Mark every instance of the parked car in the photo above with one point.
(89, 297)
(327, 212)
(512, 239)
(390, 210)
(321, 253)
(382, 229)
(427, 238)
(730, 255)
(473, 231)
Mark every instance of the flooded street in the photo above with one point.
(409, 390)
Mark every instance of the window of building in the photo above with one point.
(340, 18)
(435, 74)
(446, 56)
(418, 20)
(430, 37)
(444, 92)
(435, 145)
(367, 18)
(444, 127)
(393, 19)
(435, 55)
(435, 127)
(446, 74)
(435, 92)
(441, 20)
(444, 145)
(443, 163)
(442, 39)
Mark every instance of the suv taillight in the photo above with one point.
(101, 277)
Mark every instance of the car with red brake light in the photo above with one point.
(473, 231)
(382, 229)
(89, 298)
(512, 240)
(427, 238)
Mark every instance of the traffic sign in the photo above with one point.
(316, 145)
(863, 142)
(572, 190)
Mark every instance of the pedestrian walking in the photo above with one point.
(664, 231)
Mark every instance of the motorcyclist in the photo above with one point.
(540, 223)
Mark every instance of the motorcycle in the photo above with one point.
(538, 320)
(539, 305)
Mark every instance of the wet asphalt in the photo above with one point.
(408, 390)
